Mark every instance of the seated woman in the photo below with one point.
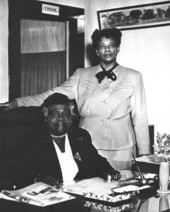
(57, 151)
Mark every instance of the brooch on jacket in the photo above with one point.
(77, 157)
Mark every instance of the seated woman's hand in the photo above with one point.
(112, 175)
(9, 105)
(51, 180)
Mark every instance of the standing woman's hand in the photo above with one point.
(9, 105)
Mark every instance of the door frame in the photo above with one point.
(21, 9)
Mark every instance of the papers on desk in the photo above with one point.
(154, 159)
(39, 194)
(96, 188)
(129, 188)
(93, 185)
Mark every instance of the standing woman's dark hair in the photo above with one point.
(108, 33)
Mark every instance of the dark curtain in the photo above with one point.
(42, 71)
(43, 55)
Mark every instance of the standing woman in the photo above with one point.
(111, 102)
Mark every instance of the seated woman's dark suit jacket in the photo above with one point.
(35, 156)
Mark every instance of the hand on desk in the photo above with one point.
(50, 180)
(112, 175)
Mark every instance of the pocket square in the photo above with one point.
(77, 157)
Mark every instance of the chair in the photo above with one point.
(16, 123)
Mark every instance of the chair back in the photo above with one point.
(16, 123)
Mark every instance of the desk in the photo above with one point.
(147, 201)
(151, 203)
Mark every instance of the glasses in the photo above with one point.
(110, 46)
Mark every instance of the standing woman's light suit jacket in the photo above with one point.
(107, 108)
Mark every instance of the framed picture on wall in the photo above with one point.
(135, 17)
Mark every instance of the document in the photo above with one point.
(154, 159)
(39, 194)
(96, 188)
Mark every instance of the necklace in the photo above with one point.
(57, 136)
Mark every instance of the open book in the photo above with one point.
(39, 194)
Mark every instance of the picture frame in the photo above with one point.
(135, 17)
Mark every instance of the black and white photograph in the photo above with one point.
(84, 106)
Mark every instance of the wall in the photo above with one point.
(73, 3)
(4, 84)
(146, 50)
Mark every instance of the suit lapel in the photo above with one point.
(51, 158)
(75, 140)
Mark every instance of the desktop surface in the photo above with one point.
(146, 201)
